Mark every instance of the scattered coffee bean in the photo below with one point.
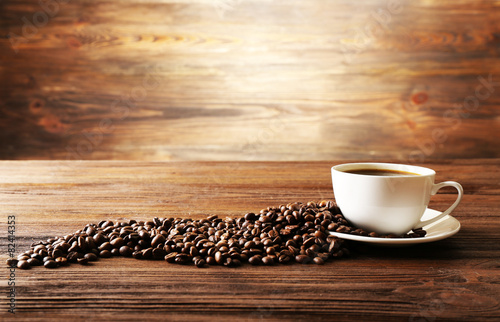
(105, 253)
(303, 259)
(170, 258)
(34, 262)
(12, 262)
(91, 257)
(318, 260)
(211, 260)
(23, 264)
(50, 264)
(117, 242)
(83, 261)
(267, 260)
(62, 261)
(157, 240)
(137, 254)
(200, 263)
(255, 260)
(125, 251)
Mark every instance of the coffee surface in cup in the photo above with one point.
(381, 172)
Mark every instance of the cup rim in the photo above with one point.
(421, 171)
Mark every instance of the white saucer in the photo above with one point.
(441, 229)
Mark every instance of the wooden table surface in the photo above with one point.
(457, 278)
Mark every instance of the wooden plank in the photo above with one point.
(267, 80)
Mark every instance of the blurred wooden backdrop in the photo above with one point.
(249, 79)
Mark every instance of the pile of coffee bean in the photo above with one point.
(295, 232)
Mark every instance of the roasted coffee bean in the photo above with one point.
(137, 254)
(170, 258)
(320, 234)
(34, 261)
(343, 229)
(81, 242)
(83, 261)
(50, 264)
(334, 245)
(309, 217)
(147, 253)
(91, 257)
(38, 248)
(270, 250)
(250, 216)
(219, 258)
(105, 246)
(232, 262)
(99, 238)
(211, 260)
(159, 253)
(57, 253)
(117, 242)
(274, 235)
(37, 256)
(23, 264)
(249, 244)
(338, 253)
(284, 259)
(12, 262)
(316, 247)
(105, 253)
(318, 260)
(267, 260)
(182, 258)
(310, 252)
(265, 219)
(72, 257)
(303, 259)
(125, 251)
(61, 261)
(158, 240)
(255, 260)
(200, 263)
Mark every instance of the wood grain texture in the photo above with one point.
(249, 80)
(455, 279)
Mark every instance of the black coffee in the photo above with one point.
(381, 172)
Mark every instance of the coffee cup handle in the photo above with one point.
(434, 190)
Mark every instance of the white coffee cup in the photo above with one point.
(387, 204)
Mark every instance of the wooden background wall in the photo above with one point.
(249, 79)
